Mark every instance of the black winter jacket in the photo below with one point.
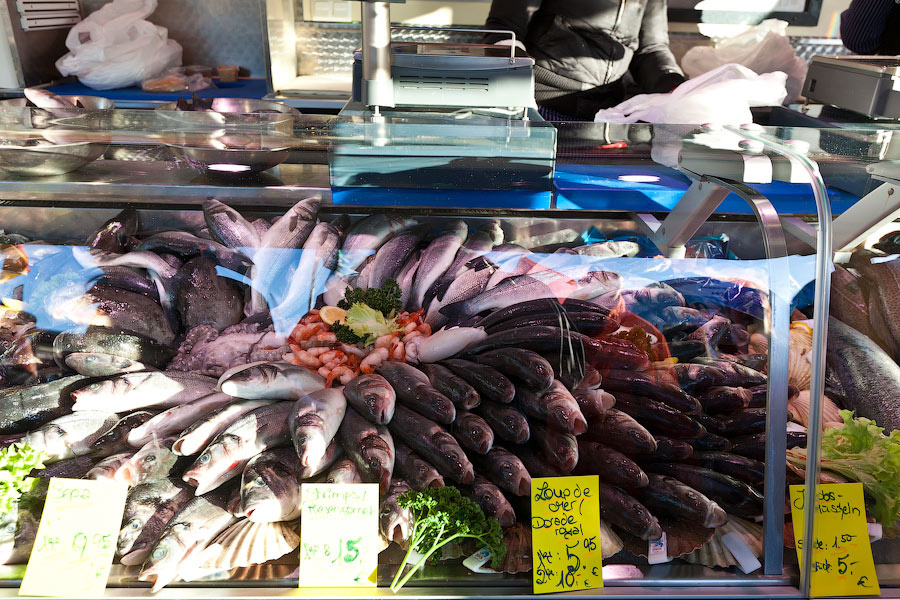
(583, 49)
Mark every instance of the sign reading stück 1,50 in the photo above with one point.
(565, 531)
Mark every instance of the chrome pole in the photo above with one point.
(378, 85)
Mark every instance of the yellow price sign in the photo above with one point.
(565, 532)
(76, 539)
(338, 534)
(842, 562)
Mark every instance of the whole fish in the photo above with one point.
(848, 303)
(490, 383)
(270, 487)
(435, 260)
(154, 460)
(406, 278)
(507, 422)
(313, 422)
(869, 377)
(472, 432)
(73, 468)
(740, 467)
(590, 323)
(228, 227)
(174, 420)
(476, 246)
(612, 466)
(97, 364)
(206, 298)
(392, 255)
(268, 380)
(736, 375)
(70, 435)
(431, 442)
(526, 366)
(668, 496)
(547, 307)
(47, 100)
(190, 529)
(113, 234)
(593, 402)
(697, 378)
(154, 389)
(556, 406)
(26, 407)
(647, 386)
(724, 399)
(415, 391)
(414, 469)
(372, 397)
(713, 424)
(196, 437)
(345, 471)
(511, 260)
(187, 245)
(505, 470)
(370, 447)
(470, 282)
(734, 496)
(744, 422)
(443, 344)
(710, 442)
(620, 431)
(451, 385)
(366, 236)
(148, 508)
(720, 295)
(140, 259)
(224, 458)
(116, 439)
(395, 522)
(492, 501)
(559, 448)
(668, 449)
(109, 467)
(102, 340)
(659, 418)
(628, 513)
(754, 446)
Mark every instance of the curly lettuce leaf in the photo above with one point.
(16, 462)
(369, 323)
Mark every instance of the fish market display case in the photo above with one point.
(617, 301)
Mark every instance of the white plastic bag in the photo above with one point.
(116, 47)
(764, 48)
(722, 96)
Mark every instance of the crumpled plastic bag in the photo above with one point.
(764, 48)
(722, 96)
(117, 47)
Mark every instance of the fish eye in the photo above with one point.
(150, 458)
(259, 481)
(136, 524)
(302, 440)
(90, 359)
(159, 552)
(11, 528)
(204, 458)
(94, 386)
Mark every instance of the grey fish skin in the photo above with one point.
(406, 278)
(414, 390)
(224, 458)
(108, 468)
(317, 262)
(505, 470)
(343, 471)
(370, 447)
(157, 389)
(116, 439)
(392, 255)
(511, 260)
(668, 496)
(430, 441)
(451, 385)
(205, 298)
(270, 487)
(492, 501)
(97, 364)
(869, 377)
(419, 473)
(528, 367)
(394, 521)
(112, 235)
(490, 383)
(268, 380)
(73, 468)
(126, 278)
(148, 508)
(470, 282)
(435, 260)
(196, 437)
(620, 431)
(228, 227)
(313, 422)
(372, 397)
(174, 420)
(70, 435)
(26, 407)
(556, 406)
(612, 466)
(187, 245)
(848, 304)
(628, 513)
(154, 460)
(472, 432)
(559, 448)
(117, 343)
(478, 244)
(140, 259)
(366, 236)
(507, 422)
(194, 526)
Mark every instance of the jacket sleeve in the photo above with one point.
(654, 67)
(863, 24)
(510, 15)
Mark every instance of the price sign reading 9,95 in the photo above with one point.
(76, 540)
(565, 531)
(842, 562)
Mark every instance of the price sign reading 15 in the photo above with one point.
(565, 531)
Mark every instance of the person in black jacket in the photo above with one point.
(872, 27)
(584, 48)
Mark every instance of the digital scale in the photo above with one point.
(869, 85)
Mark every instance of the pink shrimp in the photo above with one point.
(344, 374)
(373, 360)
(305, 359)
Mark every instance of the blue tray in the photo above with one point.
(243, 88)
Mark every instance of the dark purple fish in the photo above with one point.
(490, 383)
(492, 501)
(432, 442)
(451, 385)
(559, 448)
(370, 447)
(505, 470)
(472, 432)
(556, 405)
(414, 469)
(519, 364)
(610, 465)
(508, 422)
(372, 397)
(415, 391)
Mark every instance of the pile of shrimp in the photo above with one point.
(315, 346)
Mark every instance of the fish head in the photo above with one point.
(114, 439)
(96, 364)
(269, 492)
(216, 464)
(239, 381)
(152, 462)
(96, 392)
(161, 566)
(131, 530)
(51, 439)
(394, 521)
(308, 435)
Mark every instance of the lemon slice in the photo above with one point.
(13, 304)
(332, 314)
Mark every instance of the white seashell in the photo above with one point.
(800, 360)
(248, 543)
(759, 344)
(714, 553)
(610, 543)
(798, 411)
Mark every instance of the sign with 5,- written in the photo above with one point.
(842, 562)
(76, 539)
(338, 534)
(565, 534)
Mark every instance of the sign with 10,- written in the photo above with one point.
(76, 539)
(565, 532)
(338, 534)
(842, 562)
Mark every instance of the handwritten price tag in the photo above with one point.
(565, 532)
(842, 555)
(339, 534)
(76, 540)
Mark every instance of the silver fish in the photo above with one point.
(140, 259)
(148, 508)
(228, 227)
(270, 487)
(468, 284)
(343, 471)
(406, 278)
(436, 259)
(268, 380)
(70, 435)
(609, 249)
(196, 437)
(395, 522)
(176, 419)
(478, 244)
(155, 460)
(366, 236)
(108, 467)
(97, 364)
(391, 256)
(313, 423)
(158, 389)
(372, 397)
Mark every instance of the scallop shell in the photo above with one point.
(715, 553)
(610, 543)
(798, 411)
(759, 344)
(247, 543)
(800, 359)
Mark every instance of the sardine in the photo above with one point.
(734, 496)
(430, 441)
(490, 383)
(559, 448)
(206, 298)
(668, 496)
(148, 508)
(508, 422)
(556, 405)
(372, 397)
(370, 447)
(472, 432)
(626, 512)
(109, 467)
(270, 487)
(492, 501)
(451, 385)
(102, 340)
(116, 439)
(176, 419)
(70, 435)
(313, 422)
(268, 380)
(523, 365)
(505, 470)
(611, 465)
(154, 460)
(435, 260)
(415, 391)
(620, 431)
(395, 522)
(193, 439)
(345, 471)
(414, 469)
(96, 364)
(112, 235)
(659, 418)
(228, 227)
(154, 389)
(26, 407)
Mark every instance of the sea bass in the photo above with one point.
(156, 389)
(313, 422)
(148, 508)
(279, 380)
(370, 447)
(270, 487)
